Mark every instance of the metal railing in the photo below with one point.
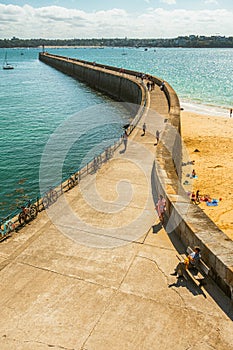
(53, 193)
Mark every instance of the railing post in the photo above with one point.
(38, 203)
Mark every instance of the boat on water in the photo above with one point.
(124, 53)
(6, 65)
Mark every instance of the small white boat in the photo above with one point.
(6, 65)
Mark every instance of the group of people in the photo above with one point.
(157, 133)
(196, 198)
(191, 261)
(150, 85)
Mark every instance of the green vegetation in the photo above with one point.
(181, 41)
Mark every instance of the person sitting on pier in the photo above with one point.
(189, 262)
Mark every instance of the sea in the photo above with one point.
(36, 100)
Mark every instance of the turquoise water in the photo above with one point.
(199, 76)
(36, 99)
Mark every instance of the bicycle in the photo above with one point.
(73, 180)
(29, 212)
(8, 227)
(49, 198)
(108, 153)
(97, 162)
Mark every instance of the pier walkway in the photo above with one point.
(93, 272)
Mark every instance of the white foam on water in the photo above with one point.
(205, 109)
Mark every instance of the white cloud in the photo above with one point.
(58, 22)
(214, 2)
(169, 2)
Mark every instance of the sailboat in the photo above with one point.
(6, 65)
(124, 53)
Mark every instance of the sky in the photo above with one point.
(66, 19)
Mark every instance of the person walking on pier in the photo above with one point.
(125, 140)
(144, 129)
(157, 134)
(161, 207)
(162, 86)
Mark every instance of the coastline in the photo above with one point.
(212, 136)
(205, 109)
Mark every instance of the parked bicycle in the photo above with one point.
(73, 180)
(97, 162)
(108, 153)
(29, 212)
(6, 227)
(49, 198)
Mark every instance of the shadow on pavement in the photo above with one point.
(210, 286)
(156, 228)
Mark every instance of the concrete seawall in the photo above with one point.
(100, 78)
(189, 222)
(93, 270)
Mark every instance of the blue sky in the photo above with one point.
(131, 18)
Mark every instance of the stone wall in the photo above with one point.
(188, 222)
(105, 79)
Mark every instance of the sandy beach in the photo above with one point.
(209, 142)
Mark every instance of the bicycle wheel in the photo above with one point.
(33, 211)
(76, 176)
(10, 227)
(45, 202)
(71, 183)
(53, 196)
(23, 218)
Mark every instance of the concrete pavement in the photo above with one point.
(105, 282)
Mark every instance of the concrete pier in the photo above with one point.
(106, 283)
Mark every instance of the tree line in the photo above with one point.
(191, 41)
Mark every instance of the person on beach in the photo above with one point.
(194, 173)
(197, 197)
(190, 261)
(230, 112)
(193, 198)
(144, 129)
(125, 139)
(157, 134)
(161, 207)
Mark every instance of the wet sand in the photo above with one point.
(213, 138)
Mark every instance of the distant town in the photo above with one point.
(191, 41)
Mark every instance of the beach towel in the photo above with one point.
(212, 204)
